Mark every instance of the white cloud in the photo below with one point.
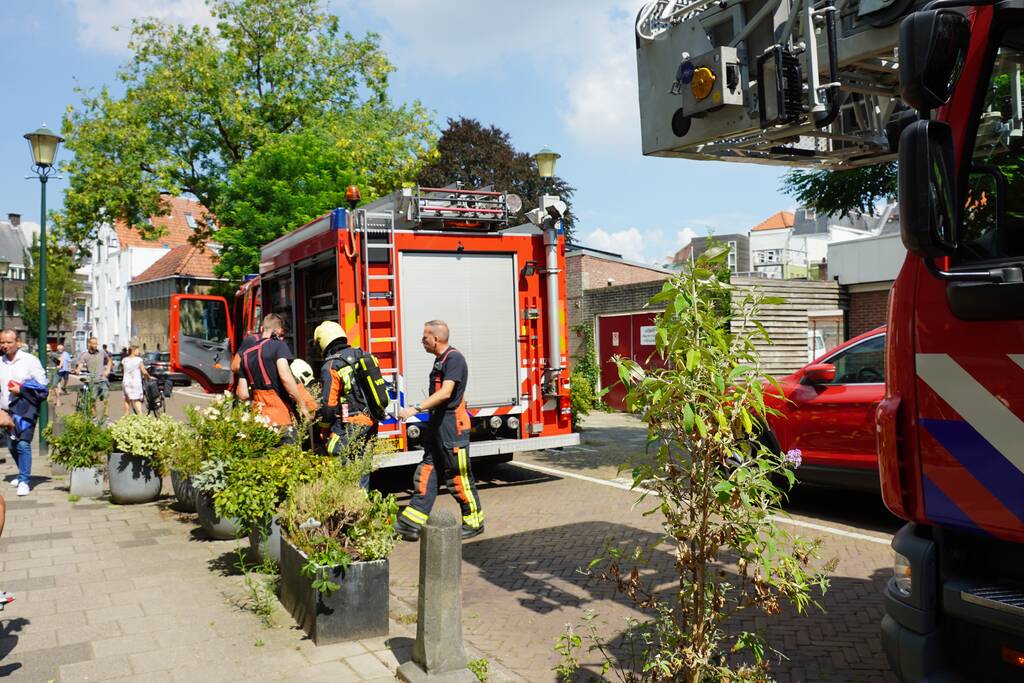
(629, 243)
(97, 19)
(684, 237)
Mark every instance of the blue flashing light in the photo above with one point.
(339, 219)
(250, 276)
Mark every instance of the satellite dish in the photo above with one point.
(513, 202)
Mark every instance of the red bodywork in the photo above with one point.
(833, 424)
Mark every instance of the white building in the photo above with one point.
(120, 255)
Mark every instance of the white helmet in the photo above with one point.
(302, 371)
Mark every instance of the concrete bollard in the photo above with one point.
(439, 655)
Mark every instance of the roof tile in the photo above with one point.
(777, 221)
(175, 226)
(185, 261)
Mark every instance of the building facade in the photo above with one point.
(739, 251)
(121, 255)
(867, 268)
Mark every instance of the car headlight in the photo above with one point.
(495, 422)
(412, 431)
(902, 575)
(513, 422)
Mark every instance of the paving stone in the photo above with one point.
(41, 665)
(87, 633)
(124, 645)
(95, 670)
(19, 585)
(368, 666)
(336, 651)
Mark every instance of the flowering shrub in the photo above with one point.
(143, 436)
(82, 443)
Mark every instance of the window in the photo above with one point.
(204, 319)
(190, 219)
(993, 215)
(732, 256)
(863, 363)
(80, 312)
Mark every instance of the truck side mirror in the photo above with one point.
(933, 47)
(927, 197)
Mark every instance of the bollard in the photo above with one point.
(439, 655)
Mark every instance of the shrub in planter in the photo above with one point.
(81, 448)
(179, 458)
(135, 467)
(336, 538)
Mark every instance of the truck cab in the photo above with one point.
(951, 425)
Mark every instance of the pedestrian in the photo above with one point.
(266, 377)
(446, 440)
(63, 372)
(19, 369)
(97, 366)
(344, 406)
(131, 382)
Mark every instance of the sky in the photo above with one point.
(561, 74)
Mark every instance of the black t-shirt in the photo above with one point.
(264, 375)
(451, 365)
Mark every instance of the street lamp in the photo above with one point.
(546, 159)
(43, 143)
(548, 216)
(5, 267)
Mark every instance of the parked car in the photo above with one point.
(829, 414)
(158, 364)
(116, 371)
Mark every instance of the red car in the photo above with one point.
(830, 414)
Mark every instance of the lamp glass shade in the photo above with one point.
(5, 267)
(546, 159)
(43, 143)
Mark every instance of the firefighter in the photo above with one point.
(343, 406)
(446, 440)
(267, 377)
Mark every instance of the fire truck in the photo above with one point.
(381, 271)
(814, 83)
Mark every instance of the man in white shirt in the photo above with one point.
(16, 367)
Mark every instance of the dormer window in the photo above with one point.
(190, 219)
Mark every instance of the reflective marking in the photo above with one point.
(884, 540)
(976, 405)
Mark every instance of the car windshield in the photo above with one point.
(153, 357)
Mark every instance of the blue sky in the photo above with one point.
(556, 73)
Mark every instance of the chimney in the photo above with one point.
(15, 219)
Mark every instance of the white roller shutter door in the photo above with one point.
(476, 295)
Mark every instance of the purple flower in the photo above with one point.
(794, 457)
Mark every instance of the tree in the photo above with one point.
(295, 178)
(476, 156)
(62, 286)
(199, 101)
(842, 192)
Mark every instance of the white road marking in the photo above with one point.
(208, 397)
(626, 487)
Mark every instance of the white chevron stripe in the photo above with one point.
(976, 405)
(1017, 358)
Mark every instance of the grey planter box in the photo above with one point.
(217, 528)
(132, 479)
(87, 482)
(358, 609)
(265, 542)
(183, 491)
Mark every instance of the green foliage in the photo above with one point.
(82, 443)
(479, 668)
(842, 192)
(583, 393)
(143, 436)
(335, 522)
(477, 156)
(62, 285)
(297, 177)
(713, 486)
(73, 498)
(224, 432)
(197, 101)
(253, 488)
(582, 398)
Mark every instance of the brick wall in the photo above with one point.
(585, 273)
(867, 310)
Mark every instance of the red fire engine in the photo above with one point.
(951, 435)
(383, 270)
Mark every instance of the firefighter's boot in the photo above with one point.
(407, 530)
(470, 532)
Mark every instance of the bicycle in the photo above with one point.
(88, 397)
(154, 392)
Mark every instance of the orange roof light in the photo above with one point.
(352, 196)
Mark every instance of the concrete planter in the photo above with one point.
(132, 479)
(357, 609)
(183, 491)
(87, 482)
(58, 469)
(265, 542)
(217, 528)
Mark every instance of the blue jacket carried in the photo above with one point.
(24, 408)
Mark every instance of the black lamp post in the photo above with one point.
(5, 268)
(44, 143)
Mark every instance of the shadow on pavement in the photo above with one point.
(8, 641)
(855, 508)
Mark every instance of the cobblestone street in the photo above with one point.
(137, 593)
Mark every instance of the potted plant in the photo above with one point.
(184, 460)
(81, 448)
(227, 434)
(336, 539)
(135, 468)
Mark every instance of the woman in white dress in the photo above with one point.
(131, 384)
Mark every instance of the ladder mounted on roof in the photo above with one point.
(449, 208)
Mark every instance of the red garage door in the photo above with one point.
(630, 335)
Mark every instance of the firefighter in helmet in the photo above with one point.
(343, 406)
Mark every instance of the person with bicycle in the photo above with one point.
(97, 365)
(18, 367)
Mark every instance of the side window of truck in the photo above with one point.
(863, 363)
(993, 213)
